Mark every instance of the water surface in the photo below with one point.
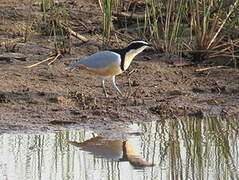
(176, 149)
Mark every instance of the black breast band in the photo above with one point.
(122, 53)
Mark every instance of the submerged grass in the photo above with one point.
(194, 148)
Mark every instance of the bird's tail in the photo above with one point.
(71, 66)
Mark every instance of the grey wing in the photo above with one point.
(98, 60)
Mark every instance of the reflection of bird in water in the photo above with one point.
(119, 150)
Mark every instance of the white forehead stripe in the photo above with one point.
(143, 42)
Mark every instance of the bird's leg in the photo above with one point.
(113, 80)
(103, 86)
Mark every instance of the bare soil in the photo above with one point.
(46, 97)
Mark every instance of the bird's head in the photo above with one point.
(134, 48)
(137, 46)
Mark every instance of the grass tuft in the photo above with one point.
(53, 15)
(107, 22)
(194, 29)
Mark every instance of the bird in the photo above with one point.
(109, 63)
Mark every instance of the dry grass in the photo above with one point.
(212, 26)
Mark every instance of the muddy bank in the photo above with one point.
(48, 96)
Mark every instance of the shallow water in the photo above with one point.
(179, 149)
